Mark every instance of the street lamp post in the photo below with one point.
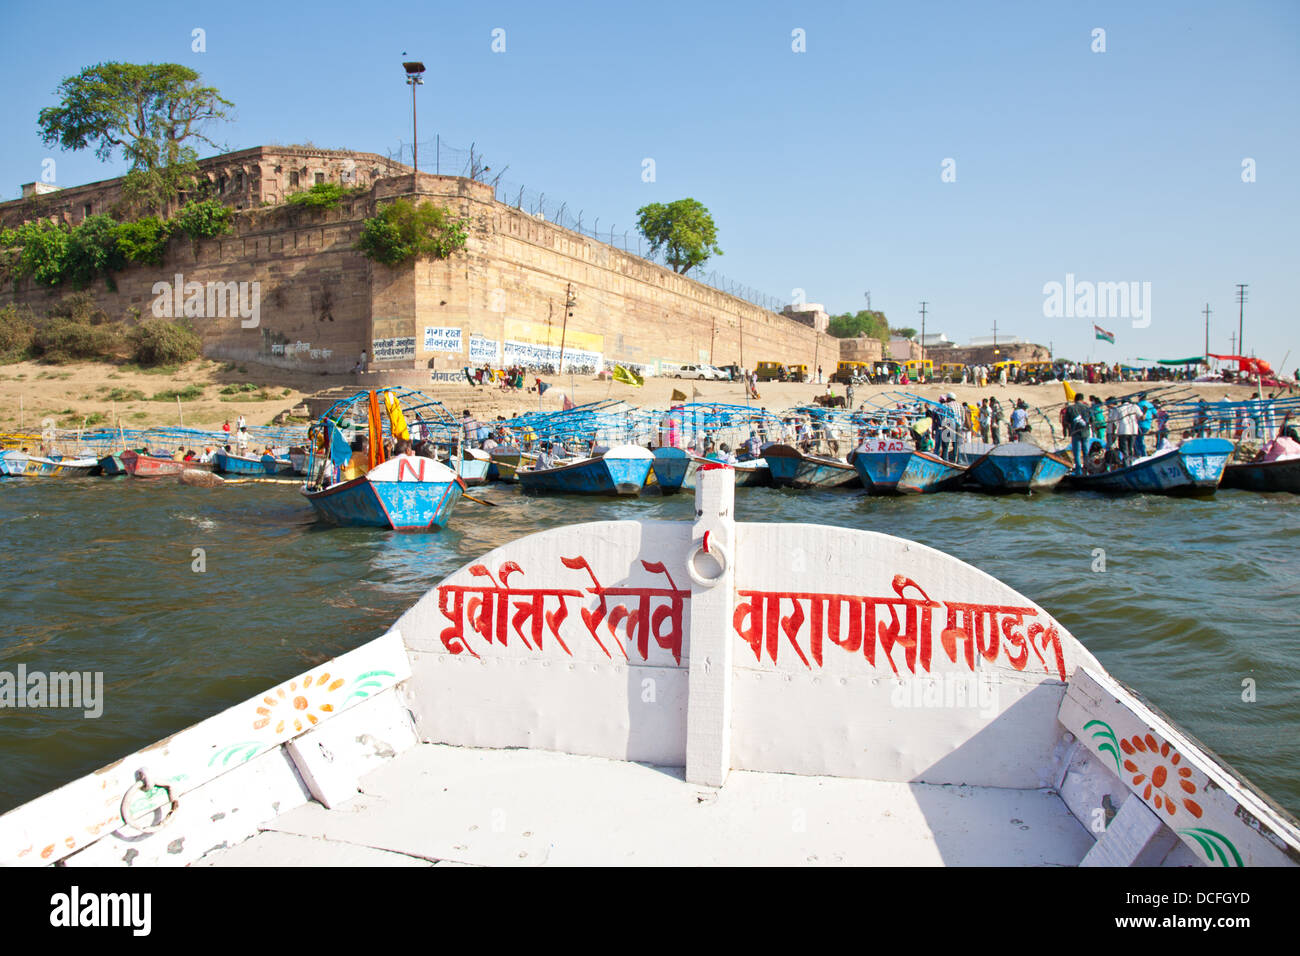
(414, 78)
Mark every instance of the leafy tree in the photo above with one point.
(904, 333)
(403, 231)
(152, 112)
(154, 190)
(851, 325)
(684, 229)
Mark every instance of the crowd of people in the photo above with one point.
(1114, 433)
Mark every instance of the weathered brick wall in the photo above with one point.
(512, 282)
(983, 354)
(321, 303)
(314, 292)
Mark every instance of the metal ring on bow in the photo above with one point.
(715, 551)
(144, 785)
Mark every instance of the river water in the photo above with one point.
(1196, 605)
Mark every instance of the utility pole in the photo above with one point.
(1241, 313)
(995, 339)
(1232, 339)
(921, 369)
(868, 295)
(1206, 312)
(570, 300)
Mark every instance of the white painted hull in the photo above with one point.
(938, 698)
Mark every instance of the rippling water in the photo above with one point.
(97, 575)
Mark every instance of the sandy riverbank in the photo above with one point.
(217, 392)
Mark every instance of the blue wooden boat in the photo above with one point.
(13, 463)
(58, 466)
(405, 493)
(111, 464)
(473, 466)
(225, 463)
(1282, 474)
(1193, 468)
(890, 466)
(1012, 466)
(617, 471)
(675, 469)
(792, 468)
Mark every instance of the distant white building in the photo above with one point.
(999, 340)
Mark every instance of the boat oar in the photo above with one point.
(464, 493)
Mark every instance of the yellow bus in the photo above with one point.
(798, 373)
(915, 367)
(770, 371)
(951, 371)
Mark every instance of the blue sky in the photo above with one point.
(821, 168)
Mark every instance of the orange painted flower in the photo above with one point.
(294, 707)
(1156, 764)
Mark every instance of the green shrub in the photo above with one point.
(41, 251)
(164, 342)
(64, 339)
(93, 250)
(202, 219)
(189, 393)
(144, 240)
(403, 231)
(324, 195)
(17, 326)
(236, 389)
(124, 395)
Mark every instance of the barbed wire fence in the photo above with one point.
(440, 158)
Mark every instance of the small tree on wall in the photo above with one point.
(403, 231)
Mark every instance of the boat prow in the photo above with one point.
(621, 470)
(404, 493)
(890, 466)
(793, 468)
(1012, 466)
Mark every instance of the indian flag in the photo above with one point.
(1104, 335)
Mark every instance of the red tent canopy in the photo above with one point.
(1247, 364)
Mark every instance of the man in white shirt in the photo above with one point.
(1129, 416)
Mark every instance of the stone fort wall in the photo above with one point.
(502, 300)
